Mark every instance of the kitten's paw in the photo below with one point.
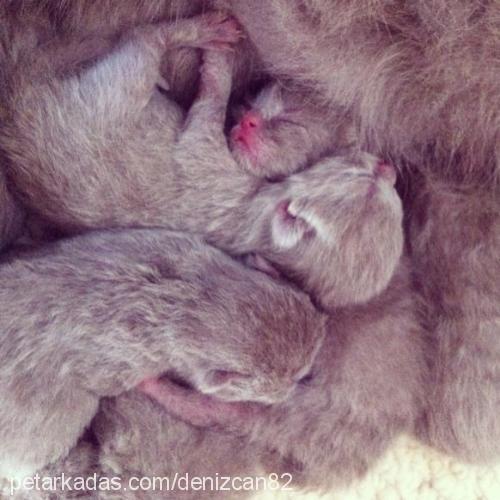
(218, 30)
(216, 72)
(212, 30)
(196, 408)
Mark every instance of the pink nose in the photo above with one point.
(386, 172)
(250, 120)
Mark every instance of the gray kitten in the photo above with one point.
(87, 170)
(95, 315)
(366, 386)
(307, 436)
(350, 426)
(283, 130)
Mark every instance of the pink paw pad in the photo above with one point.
(222, 29)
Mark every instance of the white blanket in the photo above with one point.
(411, 471)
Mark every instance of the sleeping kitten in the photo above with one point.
(106, 149)
(92, 316)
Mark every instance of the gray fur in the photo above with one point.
(113, 115)
(364, 389)
(290, 132)
(420, 80)
(95, 315)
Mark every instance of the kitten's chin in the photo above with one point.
(245, 158)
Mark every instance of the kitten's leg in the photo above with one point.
(121, 85)
(202, 144)
(61, 134)
(196, 408)
(112, 92)
(205, 120)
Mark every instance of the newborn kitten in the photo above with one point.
(336, 422)
(282, 131)
(279, 135)
(107, 149)
(95, 315)
(365, 387)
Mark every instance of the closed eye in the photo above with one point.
(280, 120)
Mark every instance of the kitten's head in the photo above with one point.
(254, 338)
(271, 137)
(335, 229)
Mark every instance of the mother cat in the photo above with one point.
(454, 223)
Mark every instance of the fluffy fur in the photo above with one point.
(424, 67)
(363, 389)
(113, 114)
(95, 315)
(420, 80)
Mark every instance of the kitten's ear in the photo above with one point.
(270, 100)
(162, 84)
(275, 92)
(288, 228)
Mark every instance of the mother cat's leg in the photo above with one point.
(455, 244)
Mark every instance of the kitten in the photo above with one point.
(283, 131)
(87, 170)
(95, 315)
